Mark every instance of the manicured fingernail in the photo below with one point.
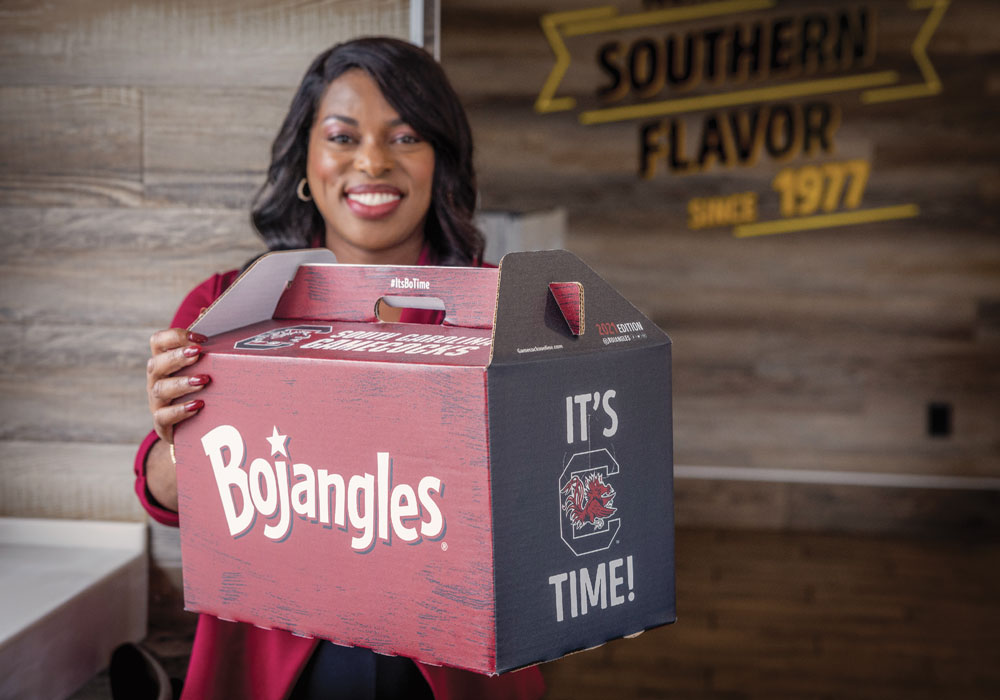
(196, 337)
(199, 380)
(192, 406)
(192, 351)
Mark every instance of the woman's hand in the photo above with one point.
(172, 350)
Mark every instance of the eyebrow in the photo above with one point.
(354, 122)
(340, 118)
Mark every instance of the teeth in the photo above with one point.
(373, 199)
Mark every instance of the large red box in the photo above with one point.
(486, 493)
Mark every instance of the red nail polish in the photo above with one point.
(199, 380)
(192, 406)
(192, 351)
(196, 337)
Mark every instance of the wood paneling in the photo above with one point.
(181, 42)
(780, 616)
(814, 350)
(114, 266)
(70, 146)
(209, 146)
(78, 405)
(81, 291)
(749, 505)
(134, 135)
(821, 351)
(86, 479)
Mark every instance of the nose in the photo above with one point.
(372, 158)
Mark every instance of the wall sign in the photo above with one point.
(738, 83)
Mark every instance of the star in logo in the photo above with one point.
(278, 443)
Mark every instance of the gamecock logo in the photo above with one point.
(281, 337)
(586, 500)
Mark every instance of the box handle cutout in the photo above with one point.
(403, 309)
(569, 298)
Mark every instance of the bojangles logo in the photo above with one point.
(368, 505)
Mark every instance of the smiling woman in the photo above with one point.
(375, 107)
(373, 161)
(370, 174)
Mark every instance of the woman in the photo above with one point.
(373, 161)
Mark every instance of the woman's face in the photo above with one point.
(369, 173)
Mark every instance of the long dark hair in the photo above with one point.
(417, 88)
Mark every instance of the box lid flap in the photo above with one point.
(255, 293)
(551, 303)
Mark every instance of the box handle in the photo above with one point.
(400, 308)
(350, 292)
(569, 298)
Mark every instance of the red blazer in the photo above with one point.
(238, 660)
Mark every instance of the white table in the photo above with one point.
(70, 592)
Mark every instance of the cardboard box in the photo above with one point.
(486, 493)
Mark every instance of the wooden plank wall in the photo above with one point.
(781, 616)
(132, 135)
(807, 351)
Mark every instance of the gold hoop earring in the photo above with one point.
(301, 191)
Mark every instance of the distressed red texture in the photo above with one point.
(431, 600)
(469, 294)
(569, 297)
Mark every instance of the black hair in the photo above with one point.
(417, 88)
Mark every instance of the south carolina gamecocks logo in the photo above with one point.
(281, 337)
(587, 502)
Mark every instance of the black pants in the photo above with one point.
(352, 672)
